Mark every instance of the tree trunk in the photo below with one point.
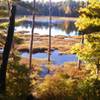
(32, 38)
(97, 69)
(79, 64)
(9, 7)
(7, 49)
(79, 61)
(50, 19)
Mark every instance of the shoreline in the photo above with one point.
(5, 19)
(53, 18)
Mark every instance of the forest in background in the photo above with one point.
(68, 8)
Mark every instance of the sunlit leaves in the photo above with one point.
(90, 52)
(89, 23)
(89, 20)
(92, 10)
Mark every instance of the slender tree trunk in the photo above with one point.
(79, 61)
(32, 38)
(9, 12)
(9, 2)
(7, 49)
(50, 19)
(82, 39)
(97, 69)
(9, 7)
(79, 64)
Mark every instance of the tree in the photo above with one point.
(49, 49)
(89, 20)
(7, 49)
(89, 24)
(32, 39)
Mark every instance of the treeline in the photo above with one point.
(67, 9)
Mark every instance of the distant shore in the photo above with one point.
(42, 18)
(54, 18)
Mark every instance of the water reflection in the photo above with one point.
(60, 27)
(67, 26)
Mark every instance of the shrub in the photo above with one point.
(17, 83)
(57, 87)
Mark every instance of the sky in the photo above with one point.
(51, 0)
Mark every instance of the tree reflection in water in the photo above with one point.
(66, 27)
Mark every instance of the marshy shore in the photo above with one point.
(40, 43)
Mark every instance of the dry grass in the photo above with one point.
(37, 62)
(41, 41)
(71, 70)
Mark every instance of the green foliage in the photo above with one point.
(18, 82)
(89, 89)
(89, 23)
(89, 20)
(90, 52)
(17, 22)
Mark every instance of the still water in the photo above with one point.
(59, 27)
(56, 57)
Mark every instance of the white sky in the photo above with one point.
(51, 0)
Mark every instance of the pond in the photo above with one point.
(59, 27)
(56, 57)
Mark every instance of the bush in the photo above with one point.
(17, 83)
(57, 87)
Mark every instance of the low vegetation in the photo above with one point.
(63, 85)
